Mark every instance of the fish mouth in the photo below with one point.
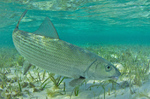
(114, 77)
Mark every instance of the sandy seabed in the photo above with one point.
(38, 83)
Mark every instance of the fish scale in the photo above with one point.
(52, 48)
(44, 49)
(53, 53)
(29, 50)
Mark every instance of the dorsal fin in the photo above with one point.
(47, 29)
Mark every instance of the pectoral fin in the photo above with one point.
(77, 81)
(26, 67)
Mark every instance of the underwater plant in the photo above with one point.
(20, 87)
(76, 90)
(51, 93)
(44, 75)
(134, 61)
(44, 83)
(56, 81)
(135, 73)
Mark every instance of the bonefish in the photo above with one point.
(44, 48)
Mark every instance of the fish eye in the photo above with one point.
(108, 68)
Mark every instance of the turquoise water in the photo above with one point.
(81, 21)
(117, 30)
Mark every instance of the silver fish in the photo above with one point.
(44, 49)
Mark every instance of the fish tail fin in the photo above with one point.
(23, 14)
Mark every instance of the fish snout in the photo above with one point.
(116, 75)
(117, 72)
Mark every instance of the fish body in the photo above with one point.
(44, 49)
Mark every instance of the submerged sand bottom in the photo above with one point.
(132, 61)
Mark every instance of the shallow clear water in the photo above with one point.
(81, 21)
(117, 30)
